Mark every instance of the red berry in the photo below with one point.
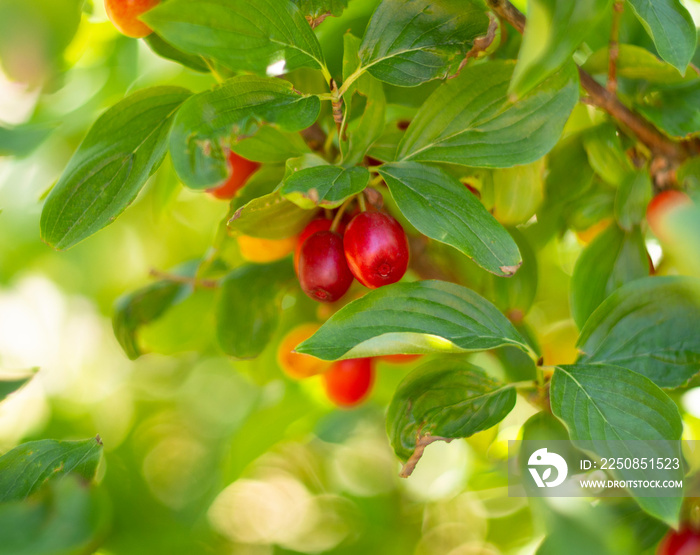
(323, 272)
(241, 169)
(124, 16)
(376, 248)
(348, 382)
(661, 206)
(686, 541)
(319, 224)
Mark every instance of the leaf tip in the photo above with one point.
(510, 270)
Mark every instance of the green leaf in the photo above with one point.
(421, 317)
(514, 296)
(605, 154)
(410, 42)
(238, 34)
(65, 518)
(121, 151)
(594, 401)
(169, 52)
(632, 199)
(649, 326)
(269, 217)
(248, 309)
(439, 206)
(270, 145)
(208, 121)
(671, 27)
(611, 260)
(145, 305)
(8, 386)
(518, 192)
(23, 139)
(324, 186)
(444, 400)
(554, 31)
(674, 109)
(635, 62)
(24, 469)
(470, 121)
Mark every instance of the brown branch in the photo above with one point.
(659, 144)
(507, 11)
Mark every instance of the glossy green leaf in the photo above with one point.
(248, 309)
(120, 152)
(8, 386)
(421, 317)
(444, 400)
(671, 27)
(234, 109)
(632, 199)
(674, 109)
(409, 42)
(611, 260)
(518, 192)
(324, 186)
(469, 120)
(24, 469)
(270, 145)
(238, 34)
(439, 206)
(145, 305)
(269, 217)
(648, 326)
(635, 62)
(65, 518)
(605, 154)
(594, 401)
(554, 31)
(169, 52)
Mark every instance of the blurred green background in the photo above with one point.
(204, 454)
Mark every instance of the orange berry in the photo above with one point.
(124, 16)
(255, 249)
(298, 365)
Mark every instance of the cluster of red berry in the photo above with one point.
(369, 246)
(372, 248)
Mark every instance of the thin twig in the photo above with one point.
(614, 47)
(337, 109)
(659, 144)
(205, 283)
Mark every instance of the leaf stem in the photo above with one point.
(362, 203)
(354, 76)
(213, 70)
(339, 214)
